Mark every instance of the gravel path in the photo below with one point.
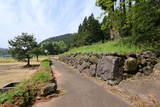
(80, 91)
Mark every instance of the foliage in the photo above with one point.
(105, 28)
(145, 17)
(109, 8)
(89, 32)
(21, 47)
(25, 93)
(54, 47)
(137, 18)
(37, 51)
(66, 38)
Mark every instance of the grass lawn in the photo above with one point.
(124, 45)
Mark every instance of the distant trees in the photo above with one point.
(21, 47)
(3, 52)
(89, 32)
(66, 38)
(54, 48)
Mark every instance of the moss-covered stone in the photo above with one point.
(130, 65)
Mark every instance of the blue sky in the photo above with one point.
(43, 18)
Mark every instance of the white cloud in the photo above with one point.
(44, 18)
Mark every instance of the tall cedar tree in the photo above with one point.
(109, 7)
(137, 18)
(89, 32)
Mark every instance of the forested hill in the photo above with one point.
(3, 51)
(66, 38)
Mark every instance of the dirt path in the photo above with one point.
(13, 72)
(80, 91)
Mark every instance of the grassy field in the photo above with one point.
(124, 45)
(25, 92)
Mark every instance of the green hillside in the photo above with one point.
(124, 45)
(66, 38)
(58, 44)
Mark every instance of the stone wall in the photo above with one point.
(113, 67)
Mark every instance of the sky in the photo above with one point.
(43, 18)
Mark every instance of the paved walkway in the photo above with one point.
(80, 92)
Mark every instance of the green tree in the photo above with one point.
(59, 47)
(21, 47)
(109, 8)
(54, 48)
(105, 29)
(137, 18)
(148, 20)
(37, 51)
(89, 32)
(47, 46)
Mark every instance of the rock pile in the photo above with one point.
(113, 67)
(48, 89)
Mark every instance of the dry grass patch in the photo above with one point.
(7, 60)
(15, 72)
(11, 60)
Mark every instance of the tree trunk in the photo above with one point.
(123, 6)
(114, 32)
(112, 6)
(37, 58)
(130, 3)
(28, 61)
(102, 40)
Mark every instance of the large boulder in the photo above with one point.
(85, 65)
(147, 70)
(130, 65)
(9, 86)
(110, 68)
(92, 72)
(48, 89)
(141, 61)
(156, 68)
(93, 59)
